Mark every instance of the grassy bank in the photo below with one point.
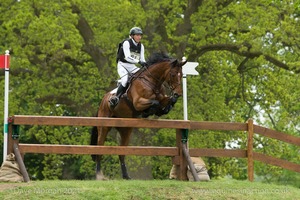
(152, 189)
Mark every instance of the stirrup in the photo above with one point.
(113, 101)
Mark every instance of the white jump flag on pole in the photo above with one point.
(187, 69)
(4, 63)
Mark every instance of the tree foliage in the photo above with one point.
(63, 61)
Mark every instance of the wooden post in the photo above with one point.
(189, 161)
(13, 137)
(250, 151)
(21, 163)
(181, 169)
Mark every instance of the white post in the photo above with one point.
(187, 69)
(185, 113)
(184, 95)
(6, 90)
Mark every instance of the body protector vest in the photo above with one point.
(135, 51)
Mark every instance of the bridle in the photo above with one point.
(170, 85)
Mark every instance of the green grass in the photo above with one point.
(150, 189)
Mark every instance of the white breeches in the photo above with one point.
(124, 69)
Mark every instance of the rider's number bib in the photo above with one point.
(135, 55)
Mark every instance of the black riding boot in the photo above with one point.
(114, 100)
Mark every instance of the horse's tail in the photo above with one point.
(94, 138)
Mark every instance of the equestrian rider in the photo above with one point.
(130, 53)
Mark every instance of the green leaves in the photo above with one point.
(63, 62)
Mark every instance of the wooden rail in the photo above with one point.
(99, 121)
(98, 150)
(175, 152)
(276, 135)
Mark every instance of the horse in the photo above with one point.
(146, 95)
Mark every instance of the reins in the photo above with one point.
(169, 83)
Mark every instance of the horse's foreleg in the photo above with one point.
(141, 103)
(155, 106)
(125, 137)
(167, 103)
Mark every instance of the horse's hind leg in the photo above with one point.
(99, 173)
(124, 168)
(102, 133)
(125, 137)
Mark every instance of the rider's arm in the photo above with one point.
(126, 49)
(142, 58)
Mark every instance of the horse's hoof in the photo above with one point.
(101, 177)
(127, 177)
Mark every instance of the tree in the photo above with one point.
(63, 61)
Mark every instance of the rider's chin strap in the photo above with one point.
(136, 43)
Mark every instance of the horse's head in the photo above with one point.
(165, 69)
(175, 78)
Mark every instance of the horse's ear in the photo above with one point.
(174, 62)
(182, 62)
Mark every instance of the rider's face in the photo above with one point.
(137, 38)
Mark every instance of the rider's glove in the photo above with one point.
(143, 64)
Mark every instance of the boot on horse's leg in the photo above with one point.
(114, 100)
(124, 168)
(151, 110)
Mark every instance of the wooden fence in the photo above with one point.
(175, 152)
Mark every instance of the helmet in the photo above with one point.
(136, 31)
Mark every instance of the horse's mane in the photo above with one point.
(158, 57)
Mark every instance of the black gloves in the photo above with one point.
(173, 99)
(143, 64)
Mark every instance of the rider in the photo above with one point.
(130, 53)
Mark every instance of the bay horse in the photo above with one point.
(146, 95)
